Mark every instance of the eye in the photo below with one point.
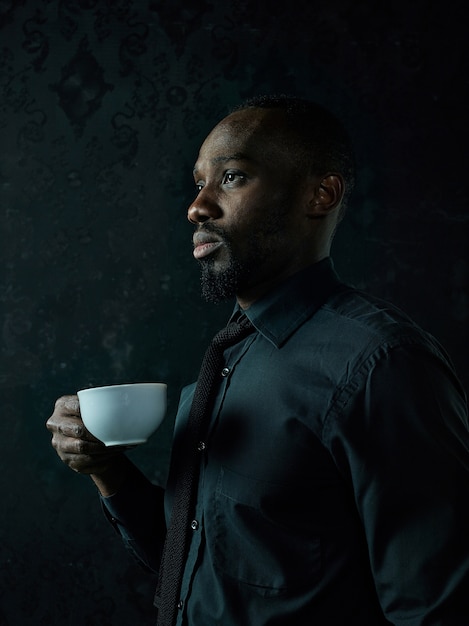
(199, 187)
(233, 177)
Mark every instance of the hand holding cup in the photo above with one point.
(74, 444)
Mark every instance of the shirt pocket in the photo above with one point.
(258, 542)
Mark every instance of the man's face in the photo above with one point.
(248, 209)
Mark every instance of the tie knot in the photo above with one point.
(233, 332)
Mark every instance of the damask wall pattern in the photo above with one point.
(103, 106)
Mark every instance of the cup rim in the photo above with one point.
(122, 386)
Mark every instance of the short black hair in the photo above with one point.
(323, 141)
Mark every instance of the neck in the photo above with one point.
(250, 294)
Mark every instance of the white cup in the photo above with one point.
(123, 414)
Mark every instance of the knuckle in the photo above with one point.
(78, 430)
(74, 430)
(69, 428)
(70, 462)
(80, 446)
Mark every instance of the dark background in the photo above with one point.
(103, 107)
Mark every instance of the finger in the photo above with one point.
(85, 464)
(65, 407)
(76, 429)
(64, 444)
(69, 426)
(73, 445)
(68, 405)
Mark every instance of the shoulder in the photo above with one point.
(387, 364)
(354, 332)
(367, 320)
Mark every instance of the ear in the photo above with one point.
(329, 191)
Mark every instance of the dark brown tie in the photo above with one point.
(186, 469)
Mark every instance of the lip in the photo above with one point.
(205, 244)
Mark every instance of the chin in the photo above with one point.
(219, 284)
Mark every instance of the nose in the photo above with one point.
(203, 208)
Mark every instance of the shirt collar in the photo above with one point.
(281, 312)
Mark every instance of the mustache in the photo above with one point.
(209, 227)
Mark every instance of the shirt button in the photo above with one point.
(225, 371)
(180, 604)
(201, 446)
(194, 524)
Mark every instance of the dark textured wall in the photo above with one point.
(103, 106)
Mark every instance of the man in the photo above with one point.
(333, 486)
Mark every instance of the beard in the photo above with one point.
(220, 285)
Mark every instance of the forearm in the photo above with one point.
(136, 511)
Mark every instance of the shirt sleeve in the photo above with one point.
(136, 512)
(404, 445)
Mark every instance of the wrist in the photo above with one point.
(110, 479)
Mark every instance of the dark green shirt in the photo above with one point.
(334, 486)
